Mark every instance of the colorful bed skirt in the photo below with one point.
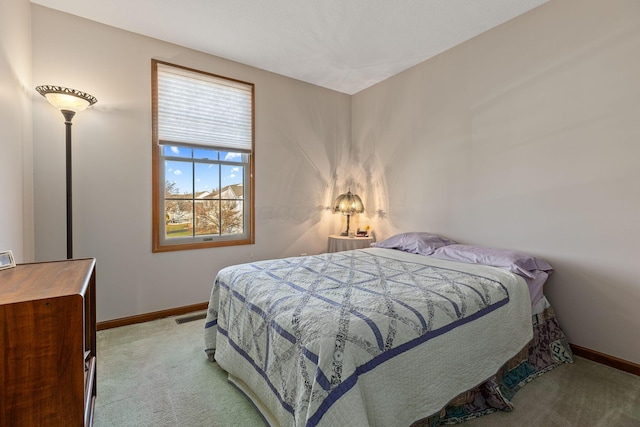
(548, 349)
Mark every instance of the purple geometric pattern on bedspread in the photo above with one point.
(360, 309)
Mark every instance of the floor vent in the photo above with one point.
(190, 318)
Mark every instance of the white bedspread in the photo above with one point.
(368, 337)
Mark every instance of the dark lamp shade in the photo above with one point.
(348, 204)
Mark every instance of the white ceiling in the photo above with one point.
(345, 45)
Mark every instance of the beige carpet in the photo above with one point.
(157, 374)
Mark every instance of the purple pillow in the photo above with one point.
(415, 242)
(520, 263)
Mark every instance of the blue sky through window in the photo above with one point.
(207, 176)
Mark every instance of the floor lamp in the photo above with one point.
(69, 102)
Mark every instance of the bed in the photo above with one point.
(394, 335)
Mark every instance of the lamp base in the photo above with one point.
(344, 233)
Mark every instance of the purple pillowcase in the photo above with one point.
(520, 263)
(415, 242)
(536, 286)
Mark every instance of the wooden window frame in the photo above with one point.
(161, 245)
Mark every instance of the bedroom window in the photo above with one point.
(203, 157)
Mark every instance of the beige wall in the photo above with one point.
(526, 137)
(301, 133)
(16, 170)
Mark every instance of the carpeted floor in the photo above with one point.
(157, 374)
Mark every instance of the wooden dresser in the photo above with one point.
(48, 344)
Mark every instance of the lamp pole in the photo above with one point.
(68, 115)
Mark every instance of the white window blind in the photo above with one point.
(203, 110)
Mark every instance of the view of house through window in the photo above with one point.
(203, 154)
(204, 192)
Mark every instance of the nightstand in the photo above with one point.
(339, 243)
